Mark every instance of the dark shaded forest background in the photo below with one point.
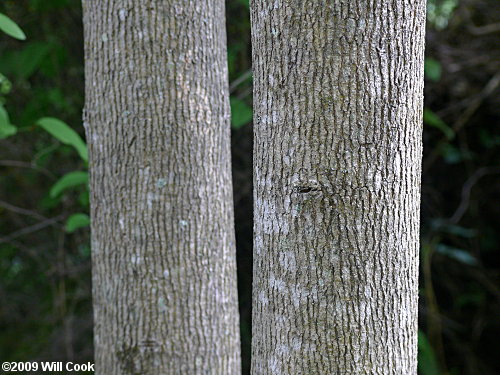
(45, 294)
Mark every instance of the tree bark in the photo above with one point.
(163, 247)
(337, 161)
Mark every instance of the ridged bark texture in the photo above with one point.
(337, 161)
(163, 247)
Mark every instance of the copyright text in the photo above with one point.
(47, 366)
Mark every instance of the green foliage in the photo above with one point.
(24, 63)
(5, 85)
(6, 128)
(84, 199)
(432, 69)
(77, 221)
(48, 5)
(444, 226)
(68, 181)
(9, 27)
(241, 113)
(65, 134)
(430, 118)
(439, 12)
(488, 140)
(427, 362)
(459, 255)
(454, 155)
(44, 293)
(246, 3)
(45, 56)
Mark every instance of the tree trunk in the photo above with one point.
(337, 163)
(163, 247)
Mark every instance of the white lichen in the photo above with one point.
(161, 183)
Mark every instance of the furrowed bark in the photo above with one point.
(338, 97)
(163, 247)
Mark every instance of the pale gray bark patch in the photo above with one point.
(163, 246)
(338, 98)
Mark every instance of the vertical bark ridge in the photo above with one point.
(163, 247)
(337, 160)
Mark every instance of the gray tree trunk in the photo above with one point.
(337, 161)
(163, 247)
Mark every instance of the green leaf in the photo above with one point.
(487, 139)
(432, 69)
(84, 199)
(5, 85)
(241, 113)
(444, 226)
(439, 12)
(84, 250)
(9, 27)
(69, 180)
(65, 134)
(430, 118)
(6, 128)
(454, 155)
(475, 299)
(427, 362)
(246, 3)
(459, 255)
(30, 58)
(77, 221)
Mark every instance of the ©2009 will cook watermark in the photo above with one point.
(47, 366)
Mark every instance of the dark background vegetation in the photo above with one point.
(45, 294)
